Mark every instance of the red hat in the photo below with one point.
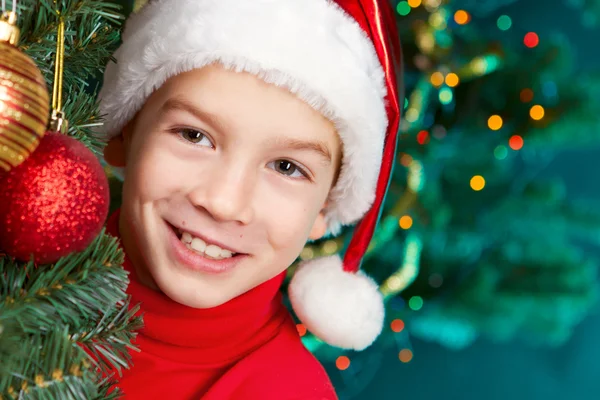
(342, 58)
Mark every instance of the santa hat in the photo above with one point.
(342, 57)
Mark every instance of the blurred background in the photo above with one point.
(496, 250)
(487, 250)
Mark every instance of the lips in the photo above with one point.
(200, 261)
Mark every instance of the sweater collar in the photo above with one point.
(217, 335)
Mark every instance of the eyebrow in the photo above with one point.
(179, 104)
(295, 144)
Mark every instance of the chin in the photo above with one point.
(193, 294)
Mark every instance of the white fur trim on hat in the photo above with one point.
(344, 309)
(311, 47)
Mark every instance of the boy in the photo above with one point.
(246, 128)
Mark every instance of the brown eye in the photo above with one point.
(285, 167)
(193, 135)
(288, 168)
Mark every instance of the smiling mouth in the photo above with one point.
(199, 246)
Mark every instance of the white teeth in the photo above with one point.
(213, 251)
(186, 238)
(200, 246)
(226, 253)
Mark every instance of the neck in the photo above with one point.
(216, 335)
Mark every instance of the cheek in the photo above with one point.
(289, 224)
(154, 172)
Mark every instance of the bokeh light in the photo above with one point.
(342, 363)
(423, 137)
(403, 8)
(549, 89)
(537, 112)
(526, 95)
(415, 303)
(438, 20)
(405, 222)
(531, 40)
(436, 280)
(405, 355)
(397, 325)
(462, 17)
(411, 115)
(414, 3)
(495, 122)
(405, 159)
(477, 183)
(504, 22)
(515, 142)
(452, 79)
(437, 79)
(500, 152)
(445, 95)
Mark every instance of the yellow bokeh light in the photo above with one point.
(477, 183)
(437, 79)
(394, 283)
(495, 122)
(307, 253)
(405, 222)
(452, 79)
(330, 247)
(411, 115)
(426, 42)
(461, 17)
(437, 20)
(537, 112)
(433, 3)
(414, 3)
(479, 65)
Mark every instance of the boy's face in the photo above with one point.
(231, 160)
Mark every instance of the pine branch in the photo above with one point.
(92, 32)
(109, 341)
(50, 367)
(90, 35)
(75, 289)
(84, 118)
(84, 291)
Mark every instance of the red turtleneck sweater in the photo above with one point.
(245, 349)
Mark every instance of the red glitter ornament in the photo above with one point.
(54, 203)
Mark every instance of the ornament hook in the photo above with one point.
(58, 122)
(9, 32)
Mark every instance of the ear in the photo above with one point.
(115, 152)
(319, 227)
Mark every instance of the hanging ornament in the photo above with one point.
(23, 98)
(56, 201)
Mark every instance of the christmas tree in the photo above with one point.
(64, 323)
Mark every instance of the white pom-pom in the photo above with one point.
(344, 309)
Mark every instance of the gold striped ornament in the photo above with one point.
(24, 99)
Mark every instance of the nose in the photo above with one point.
(225, 193)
